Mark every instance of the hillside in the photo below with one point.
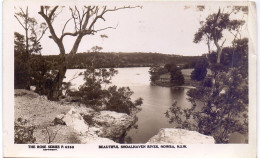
(116, 60)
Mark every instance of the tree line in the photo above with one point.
(118, 60)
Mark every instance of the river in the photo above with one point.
(156, 101)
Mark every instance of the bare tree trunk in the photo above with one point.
(76, 45)
(27, 51)
(55, 89)
(219, 51)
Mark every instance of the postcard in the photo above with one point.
(129, 78)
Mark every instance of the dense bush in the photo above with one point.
(156, 71)
(21, 74)
(119, 100)
(23, 132)
(200, 70)
(31, 68)
(94, 93)
(42, 74)
(177, 78)
(219, 103)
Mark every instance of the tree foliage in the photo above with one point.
(155, 72)
(219, 102)
(23, 132)
(200, 70)
(212, 29)
(20, 68)
(177, 78)
(218, 112)
(95, 94)
(41, 71)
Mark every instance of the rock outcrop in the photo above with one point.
(74, 120)
(92, 139)
(96, 126)
(112, 125)
(180, 136)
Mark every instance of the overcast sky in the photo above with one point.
(158, 27)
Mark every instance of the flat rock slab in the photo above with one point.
(180, 136)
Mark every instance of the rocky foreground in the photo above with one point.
(72, 123)
(180, 136)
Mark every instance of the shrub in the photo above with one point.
(200, 70)
(23, 132)
(94, 94)
(50, 133)
(176, 74)
(119, 100)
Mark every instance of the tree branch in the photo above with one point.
(74, 19)
(49, 23)
(223, 43)
(19, 21)
(22, 11)
(104, 29)
(43, 32)
(129, 7)
(87, 18)
(53, 11)
(108, 10)
(65, 25)
(69, 34)
(80, 22)
(82, 32)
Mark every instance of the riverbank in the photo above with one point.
(188, 85)
(69, 123)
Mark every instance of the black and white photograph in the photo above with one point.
(131, 75)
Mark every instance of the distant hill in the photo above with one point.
(105, 60)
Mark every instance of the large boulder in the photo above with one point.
(92, 139)
(74, 120)
(180, 136)
(112, 125)
(59, 120)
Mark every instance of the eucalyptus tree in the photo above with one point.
(33, 33)
(84, 20)
(212, 29)
(219, 103)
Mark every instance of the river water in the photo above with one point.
(156, 101)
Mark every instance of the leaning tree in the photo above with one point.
(84, 20)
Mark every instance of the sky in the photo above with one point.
(161, 27)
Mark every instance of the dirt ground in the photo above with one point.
(41, 112)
